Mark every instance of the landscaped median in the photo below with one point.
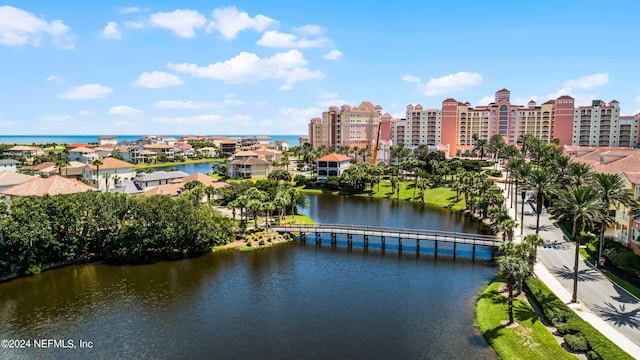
(574, 329)
(526, 338)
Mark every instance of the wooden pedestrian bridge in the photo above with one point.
(417, 235)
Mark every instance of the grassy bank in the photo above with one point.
(528, 338)
(441, 197)
(174, 163)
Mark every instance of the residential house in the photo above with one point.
(282, 144)
(155, 150)
(183, 150)
(10, 178)
(53, 185)
(72, 170)
(9, 165)
(249, 167)
(27, 152)
(177, 186)
(104, 140)
(228, 146)
(208, 152)
(83, 154)
(157, 178)
(332, 165)
(111, 172)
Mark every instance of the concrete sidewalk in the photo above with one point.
(605, 305)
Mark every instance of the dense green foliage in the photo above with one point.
(39, 232)
(567, 322)
(528, 340)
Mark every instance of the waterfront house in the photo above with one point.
(83, 154)
(176, 187)
(208, 152)
(9, 165)
(248, 167)
(10, 178)
(157, 178)
(155, 150)
(27, 152)
(111, 172)
(228, 146)
(332, 165)
(53, 185)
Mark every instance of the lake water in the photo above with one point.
(294, 301)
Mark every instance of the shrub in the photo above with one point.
(592, 355)
(602, 347)
(494, 173)
(33, 269)
(576, 342)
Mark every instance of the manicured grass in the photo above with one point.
(174, 163)
(623, 284)
(440, 197)
(529, 339)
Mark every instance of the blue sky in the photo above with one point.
(267, 67)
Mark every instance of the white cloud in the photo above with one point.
(157, 79)
(277, 39)
(57, 117)
(19, 27)
(133, 24)
(88, 91)
(85, 113)
(187, 119)
(125, 110)
(451, 82)
(332, 55)
(486, 100)
(285, 87)
(411, 79)
(309, 30)
(327, 95)
(229, 22)
(182, 22)
(111, 31)
(300, 116)
(54, 78)
(128, 10)
(588, 81)
(524, 101)
(248, 67)
(191, 105)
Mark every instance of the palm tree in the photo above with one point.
(532, 241)
(583, 207)
(106, 181)
(512, 268)
(62, 162)
(481, 147)
(210, 191)
(579, 173)
(97, 163)
(522, 173)
(540, 182)
(612, 192)
(507, 226)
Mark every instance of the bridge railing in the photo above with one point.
(388, 231)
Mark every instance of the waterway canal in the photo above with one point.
(295, 301)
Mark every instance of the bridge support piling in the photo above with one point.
(454, 250)
(366, 241)
(493, 253)
(417, 247)
(473, 253)
(399, 244)
(303, 237)
(334, 241)
(435, 251)
(382, 242)
(349, 240)
(318, 238)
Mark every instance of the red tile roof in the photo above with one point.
(53, 185)
(334, 157)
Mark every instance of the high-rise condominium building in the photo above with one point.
(457, 125)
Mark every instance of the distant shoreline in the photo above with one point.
(70, 139)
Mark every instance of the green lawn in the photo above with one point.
(529, 339)
(440, 197)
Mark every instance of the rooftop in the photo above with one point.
(53, 185)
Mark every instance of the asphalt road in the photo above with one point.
(605, 299)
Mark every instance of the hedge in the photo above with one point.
(555, 310)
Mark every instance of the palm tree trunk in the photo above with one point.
(510, 303)
(574, 297)
(522, 197)
(602, 229)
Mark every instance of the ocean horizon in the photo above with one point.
(72, 139)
